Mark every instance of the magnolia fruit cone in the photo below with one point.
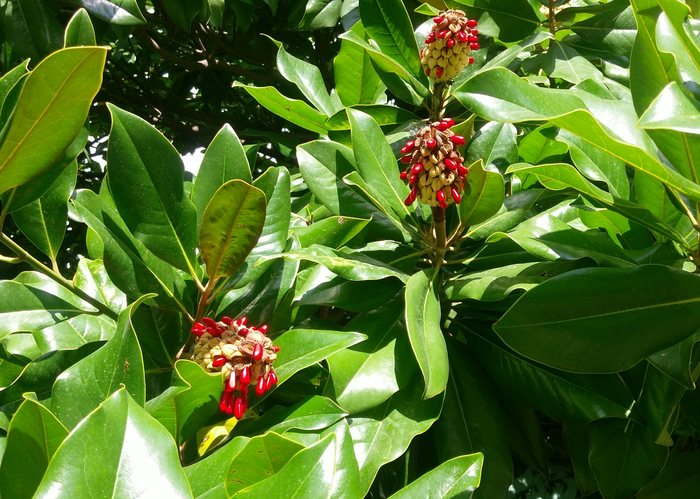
(449, 45)
(435, 168)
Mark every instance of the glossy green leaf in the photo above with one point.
(182, 12)
(301, 348)
(382, 114)
(91, 277)
(424, 331)
(84, 386)
(31, 28)
(74, 333)
(559, 394)
(524, 102)
(483, 195)
(680, 477)
(679, 361)
(333, 232)
(117, 450)
(494, 144)
(44, 220)
(356, 81)
(354, 267)
(458, 477)
(158, 212)
(231, 225)
(382, 434)
(562, 61)
(79, 30)
(507, 20)
(26, 308)
(557, 176)
(33, 436)
(472, 420)
(122, 12)
(207, 476)
(388, 24)
(51, 110)
(623, 456)
(672, 110)
(224, 160)
(576, 439)
(367, 374)
(321, 14)
(580, 321)
(307, 78)
(376, 162)
(292, 110)
(313, 413)
(11, 79)
(323, 164)
(132, 268)
(189, 403)
(308, 473)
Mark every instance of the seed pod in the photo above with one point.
(449, 45)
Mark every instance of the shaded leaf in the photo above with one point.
(459, 476)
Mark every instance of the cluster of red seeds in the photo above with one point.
(436, 170)
(449, 45)
(243, 353)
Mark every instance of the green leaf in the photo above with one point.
(557, 176)
(91, 381)
(120, 12)
(524, 102)
(384, 433)
(224, 160)
(51, 110)
(623, 456)
(333, 232)
(579, 321)
(158, 212)
(680, 477)
(308, 473)
(79, 30)
(33, 436)
(558, 394)
(472, 411)
(483, 195)
(91, 277)
(678, 361)
(672, 110)
(376, 162)
(73, 333)
(313, 413)
(30, 28)
(382, 114)
(367, 374)
(44, 220)
(562, 61)
(301, 348)
(182, 12)
(191, 401)
(26, 308)
(354, 267)
(458, 477)
(507, 20)
(116, 450)
(356, 81)
(231, 225)
(292, 110)
(307, 78)
(323, 164)
(494, 144)
(132, 268)
(207, 476)
(321, 14)
(424, 331)
(388, 24)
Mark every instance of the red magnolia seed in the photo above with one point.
(450, 164)
(244, 377)
(227, 320)
(257, 352)
(431, 143)
(461, 170)
(473, 39)
(405, 159)
(449, 122)
(440, 196)
(239, 407)
(438, 71)
(273, 377)
(442, 33)
(260, 386)
(263, 329)
(417, 168)
(457, 140)
(461, 37)
(455, 195)
(474, 46)
(472, 23)
(275, 348)
(218, 361)
(451, 43)
(404, 175)
(471, 60)
(412, 179)
(438, 19)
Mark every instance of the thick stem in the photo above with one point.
(552, 18)
(23, 255)
(440, 235)
(204, 300)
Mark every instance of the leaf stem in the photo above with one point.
(23, 255)
(552, 18)
(440, 236)
(205, 298)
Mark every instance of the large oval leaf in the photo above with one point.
(603, 320)
(117, 451)
(146, 178)
(423, 324)
(50, 112)
(231, 226)
(458, 477)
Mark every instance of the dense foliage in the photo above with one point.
(532, 332)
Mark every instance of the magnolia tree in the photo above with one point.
(464, 265)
